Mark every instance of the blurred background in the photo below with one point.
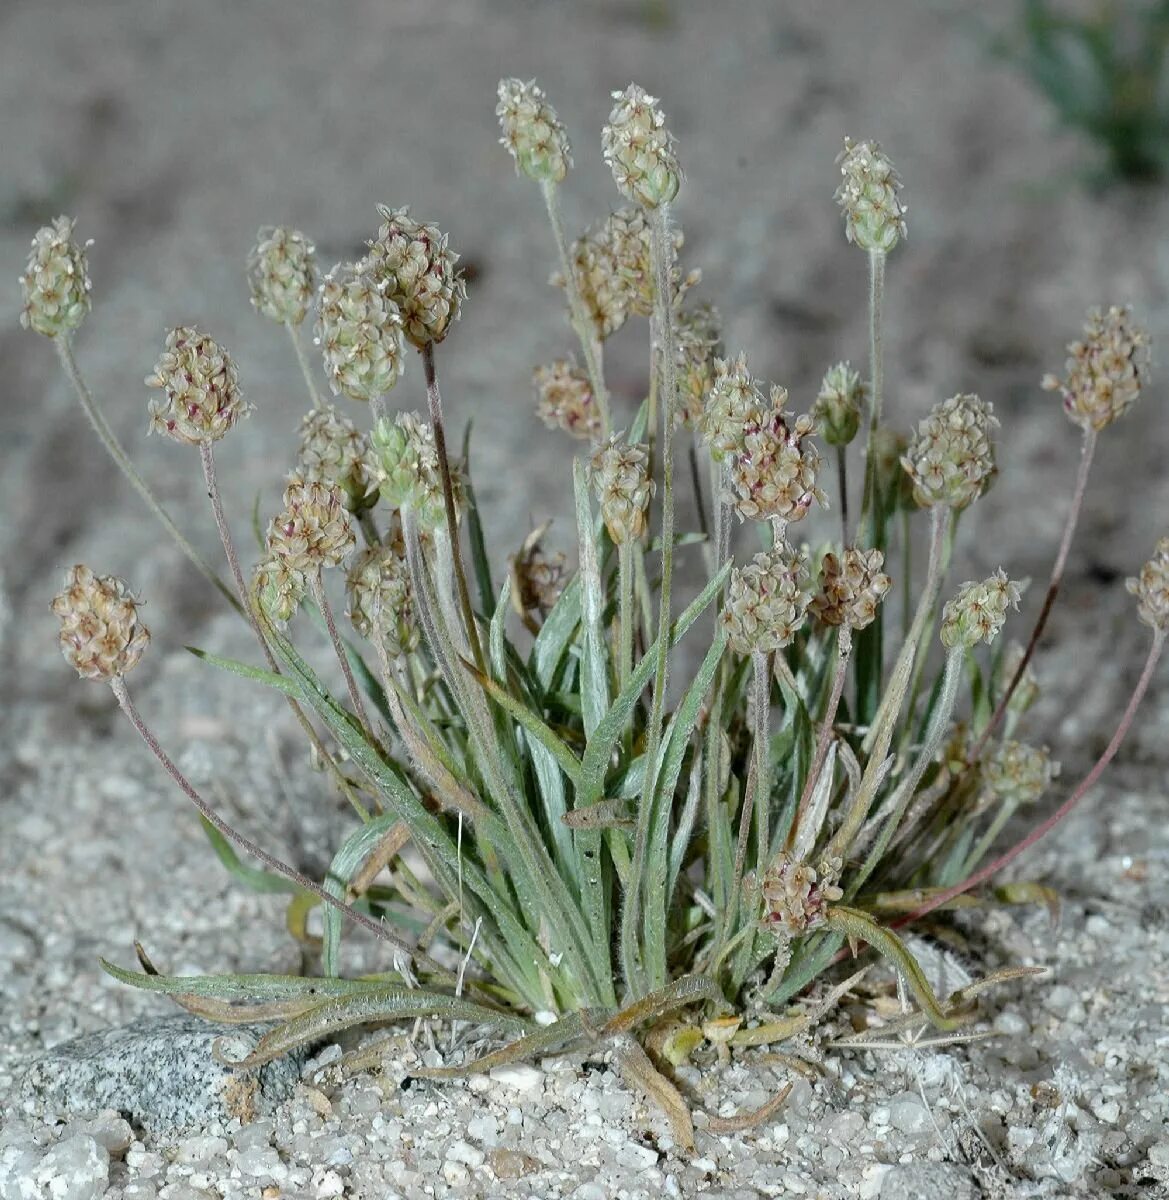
(1030, 136)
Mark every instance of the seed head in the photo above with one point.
(380, 599)
(773, 473)
(1017, 773)
(359, 331)
(101, 636)
(334, 451)
(1151, 588)
(766, 602)
(408, 469)
(55, 284)
(282, 274)
(314, 530)
(837, 407)
(979, 610)
(851, 587)
(639, 149)
(697, 345)
(537, 578)
(564, 400)
(735, 404)
(874, 217)
(1105, 371)
(416, 270)
(951, 460)
(279, 588)
(532, 132)
(202, 398)
(794, 897)
(621, 478)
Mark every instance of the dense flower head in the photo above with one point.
(766, 601)
(640, 150)
(697, 346)
(851, 587)
(874, 217)
(333, 450)
(408, 469)
(359, 331)
(201, 393)
(734, 405)
(1105, 370)
(279, 588)
(1017, 773)
(415, 268)
(380, 600)
(537, 578)
(101, 636)
(773, 471)
(565, 400)
(795, 897)
(951, 459)
(1151, 588)
(837, 407)
(979, 610)
(532, 132)
(314, 530)
(622, 482)
(282, 274)
(55, 284)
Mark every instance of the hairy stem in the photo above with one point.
(868, 520)
(122, 459)
(625, 613)
(305, 368)
(377, 928)
(589, 343)
(1087, 450)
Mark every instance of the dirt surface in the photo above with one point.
(172, 131)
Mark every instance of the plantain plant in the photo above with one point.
(580, 804)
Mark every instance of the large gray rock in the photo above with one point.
(161, 1074)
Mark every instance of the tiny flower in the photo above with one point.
(951, 459)
(413, 265)
(564, 400)
(381, 603)
(1151, 588)
(101, 636)
(773, 473)
(279, 588)
(334, 451)
(602, 290)
(359, 331)
(1105, 371)
(314, 530)
(795, 898)
(1017, 773)
(766, 602)
(532, 132)
(55, 284)
(979, 610)
(537, 578)
(734, 405)
(837, 407)
(697, 346)
(874, 217)
(282, 274)
(621, 478)
(408, 469)
(202, 398)
(639, 149)
(851, 587)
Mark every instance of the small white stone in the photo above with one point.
(1159, 1154)
(465, 1153)
(909, 1114)
(455, 1174)
(1108, 1111)
(520, 1076)
(636, 1156)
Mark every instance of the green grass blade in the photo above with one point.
(594, 671)
(281, 683)
(253, 877)
(354, 851)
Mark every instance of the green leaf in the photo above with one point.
(255, 878)
(356, 848)
(243, 989)
(280, 682)
(480, 562)
(595, 660)
(556, 633)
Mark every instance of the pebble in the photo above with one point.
(1159, 1154)
(77, 1168)
(916, 1181)
(520, 1076)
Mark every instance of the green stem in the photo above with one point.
(317, 587)
(589, 344)
(625, 614)
(868, 522)
(121, 458)
(305, 368)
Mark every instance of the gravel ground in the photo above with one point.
(174, 130)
